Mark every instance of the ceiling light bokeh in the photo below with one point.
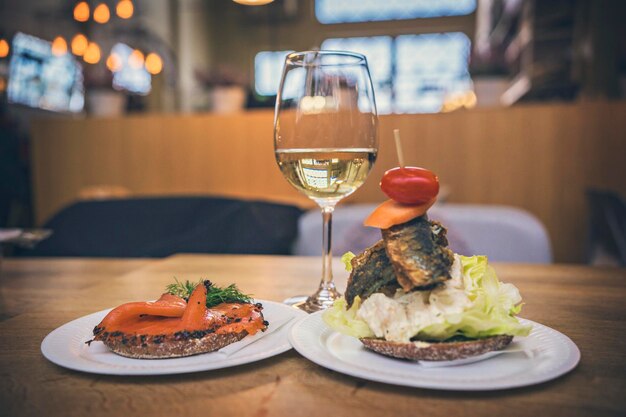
(125, 9)
(79, 44)
(92, 53)
(253, 2)
(59, 46)
(154, 63)
(101, 13)
(4, 48)
(136, 59)
(114, 62)
(81, 11)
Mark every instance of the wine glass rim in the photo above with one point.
(298, 58)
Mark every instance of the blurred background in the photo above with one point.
(512, 102)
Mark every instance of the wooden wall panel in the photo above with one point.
(540, 157)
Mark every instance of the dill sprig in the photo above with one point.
(215, 295)
(230, 294)
(181, 289)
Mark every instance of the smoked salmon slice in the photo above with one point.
(166, 306)
(173, 327)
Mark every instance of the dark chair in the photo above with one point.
(607, 228)
(158, 227)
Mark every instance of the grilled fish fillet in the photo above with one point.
(371, 272)
(418, 253)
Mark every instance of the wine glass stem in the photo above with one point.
(327, 253)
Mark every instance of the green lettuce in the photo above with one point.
(346, 258)
(490, 311)
(345, 320)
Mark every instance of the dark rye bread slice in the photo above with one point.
(169, 346)
(437, 351)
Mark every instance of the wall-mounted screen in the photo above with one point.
(38, 78)
(131, 76)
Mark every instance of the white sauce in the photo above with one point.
(406, 314)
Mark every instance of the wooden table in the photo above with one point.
(36, 296)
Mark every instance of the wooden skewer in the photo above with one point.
(396, 136)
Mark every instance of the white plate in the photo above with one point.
(554, 355)
(66, 347)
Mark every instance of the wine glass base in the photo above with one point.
(301, 302)
(295, 301)
(321, 300)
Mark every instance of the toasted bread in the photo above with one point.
(169, 346)
(437, 351)
(172, 327)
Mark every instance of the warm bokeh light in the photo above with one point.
(470, 100)
(114, 62)
(79, 44)
(253, 2)
(4, 48)
(101, 13)
(456, 101)
(81, 11)
(154, 63)
(3, 84)
(135, 59)
(59, 46)
(92, 53)
(125, 9)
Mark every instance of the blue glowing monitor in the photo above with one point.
(39, 79)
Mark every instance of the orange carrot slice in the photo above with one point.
(391, 213)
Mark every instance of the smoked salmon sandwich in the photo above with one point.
(187, 320)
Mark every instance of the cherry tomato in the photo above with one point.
(410, 185)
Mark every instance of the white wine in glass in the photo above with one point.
(325, 139)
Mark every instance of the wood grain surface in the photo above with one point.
(587, 304)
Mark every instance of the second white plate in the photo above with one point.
(66, 347)
(555, 355)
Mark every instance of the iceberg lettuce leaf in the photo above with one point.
(490, 311)
(346, 258)
(345, 321)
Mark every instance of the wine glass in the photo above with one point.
(325, 140)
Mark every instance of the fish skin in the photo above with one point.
(439, 233)
(371, 271)
(418, 254)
